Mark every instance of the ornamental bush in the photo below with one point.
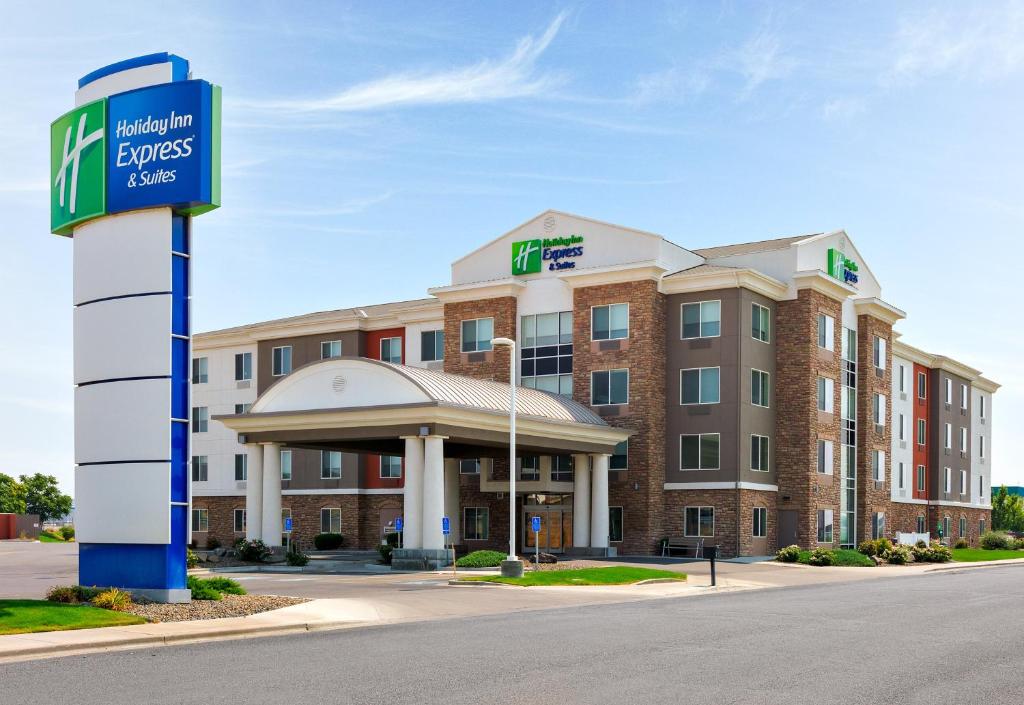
(328, 542)
(385, 550)
(255, 551)
(113, 599)
(822, 556)
(72, 594)
(481, 559)
(868, 548)
(191, 559)
(67, 532)
(789, 554)
(899, 555)
(996, 541)
(295, 556)
(934, 553)
(961, 543)
(1018, 544)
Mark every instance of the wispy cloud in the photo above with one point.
(761, 59)
(674, 83)
(350, 207)
(986, 43)
(515, 76)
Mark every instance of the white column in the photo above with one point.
(412, 512)
(433, 491)
(599, 502)
(451, 498)
(254, 492)
(581, 501)
(272, 494)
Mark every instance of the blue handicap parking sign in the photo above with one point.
(398, 524)
(535, 521)
(446, 526)
(287, 523)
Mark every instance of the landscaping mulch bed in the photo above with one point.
(569, 565)
(228, 606)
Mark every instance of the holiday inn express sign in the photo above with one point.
(153, 146)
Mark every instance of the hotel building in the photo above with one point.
(749, 396)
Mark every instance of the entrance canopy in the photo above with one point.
(359, 405)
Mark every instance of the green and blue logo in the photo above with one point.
(78, 153)
(842, 267)
(526, 257)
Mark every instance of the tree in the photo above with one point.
(1007, 511)
(12, 495)
(43, 497)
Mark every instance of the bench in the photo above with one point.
(696, 546)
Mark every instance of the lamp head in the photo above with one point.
(506, 342)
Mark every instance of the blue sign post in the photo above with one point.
(446, 526)
(398, 528)
(535, 525)
(288, 524)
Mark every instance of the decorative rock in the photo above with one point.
(544, 558)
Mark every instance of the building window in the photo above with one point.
(963, 439)
(878, 525)
(200, 520)
(826, 332)
(903, 378)
(760, 527)
(922, 385)
(239, 521)
(699, 385)
(878, 352)
(702, 319)
(391, 350)
(948, 437)
(903, 428)
(759, 392)
(243, 367)
(901, 470)
(620, 457)
(475, 523)
(826, 451)
(981, 489)
(241, 467)
(200, 468)
(878, 465)
(286, 465)
(390, 467)
(282, 360)
(469, 466)
(981, 527)
(561, 468)
(329, 349)
(949, 390)
(699, 451)
(981, 406)
(529, 468)
(609, 387)
(242, 408)
(921, 436)
(700, 521)
(824, 526)
(921, 526)
(948, 482)
(920, 478)
(200, 370)
(760, 323)
(546, 355)
(981, 446)
(826, 394)
(963, 527)
(330, 465)
(477, 334)
(615, 524)
(759, 453)
(945, 527)
(432, 345)
(963, 397)
(330, 520)
(878, 409)
(963, 482)
(200, 419)
(609, 322)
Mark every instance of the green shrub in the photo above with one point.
(789, 554)
(63, 593)
(295, 556)
(934, 553)
(212, 542)
(67, 532)
(391, 539)
(1018, 544)
(920, 543)
(868, 548)
(191, 559)
(882, 546)
(225, 585)
(385, 550)
(481, 559)
(50, 533)
(213, 588)
(996, 541)
(113, 599)
(203, 592)
(328, 542)
(822, 556)
(961, 543)
(254, 551)
(899, 555)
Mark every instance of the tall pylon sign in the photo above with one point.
(130, 166)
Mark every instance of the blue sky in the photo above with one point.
(368, 145)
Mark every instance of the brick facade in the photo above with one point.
(491, 364)
(872, 496)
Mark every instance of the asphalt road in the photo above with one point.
(947, 637)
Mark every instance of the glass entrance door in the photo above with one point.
(555, 512)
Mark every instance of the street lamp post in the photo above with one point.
(511, 566)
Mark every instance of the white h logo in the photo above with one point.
(72, 157)
(525, 250)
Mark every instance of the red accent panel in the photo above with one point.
(921, 412)
(374, 337)
(373, 480)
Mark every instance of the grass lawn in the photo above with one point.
(43, 538)
(974, 555)
(23, 616)
(614, 575)
(845, 557)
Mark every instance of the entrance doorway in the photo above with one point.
(555, 512)
(787, 527)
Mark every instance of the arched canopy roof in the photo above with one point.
(360, 404)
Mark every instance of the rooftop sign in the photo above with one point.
(553, 254)
(842, 267)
